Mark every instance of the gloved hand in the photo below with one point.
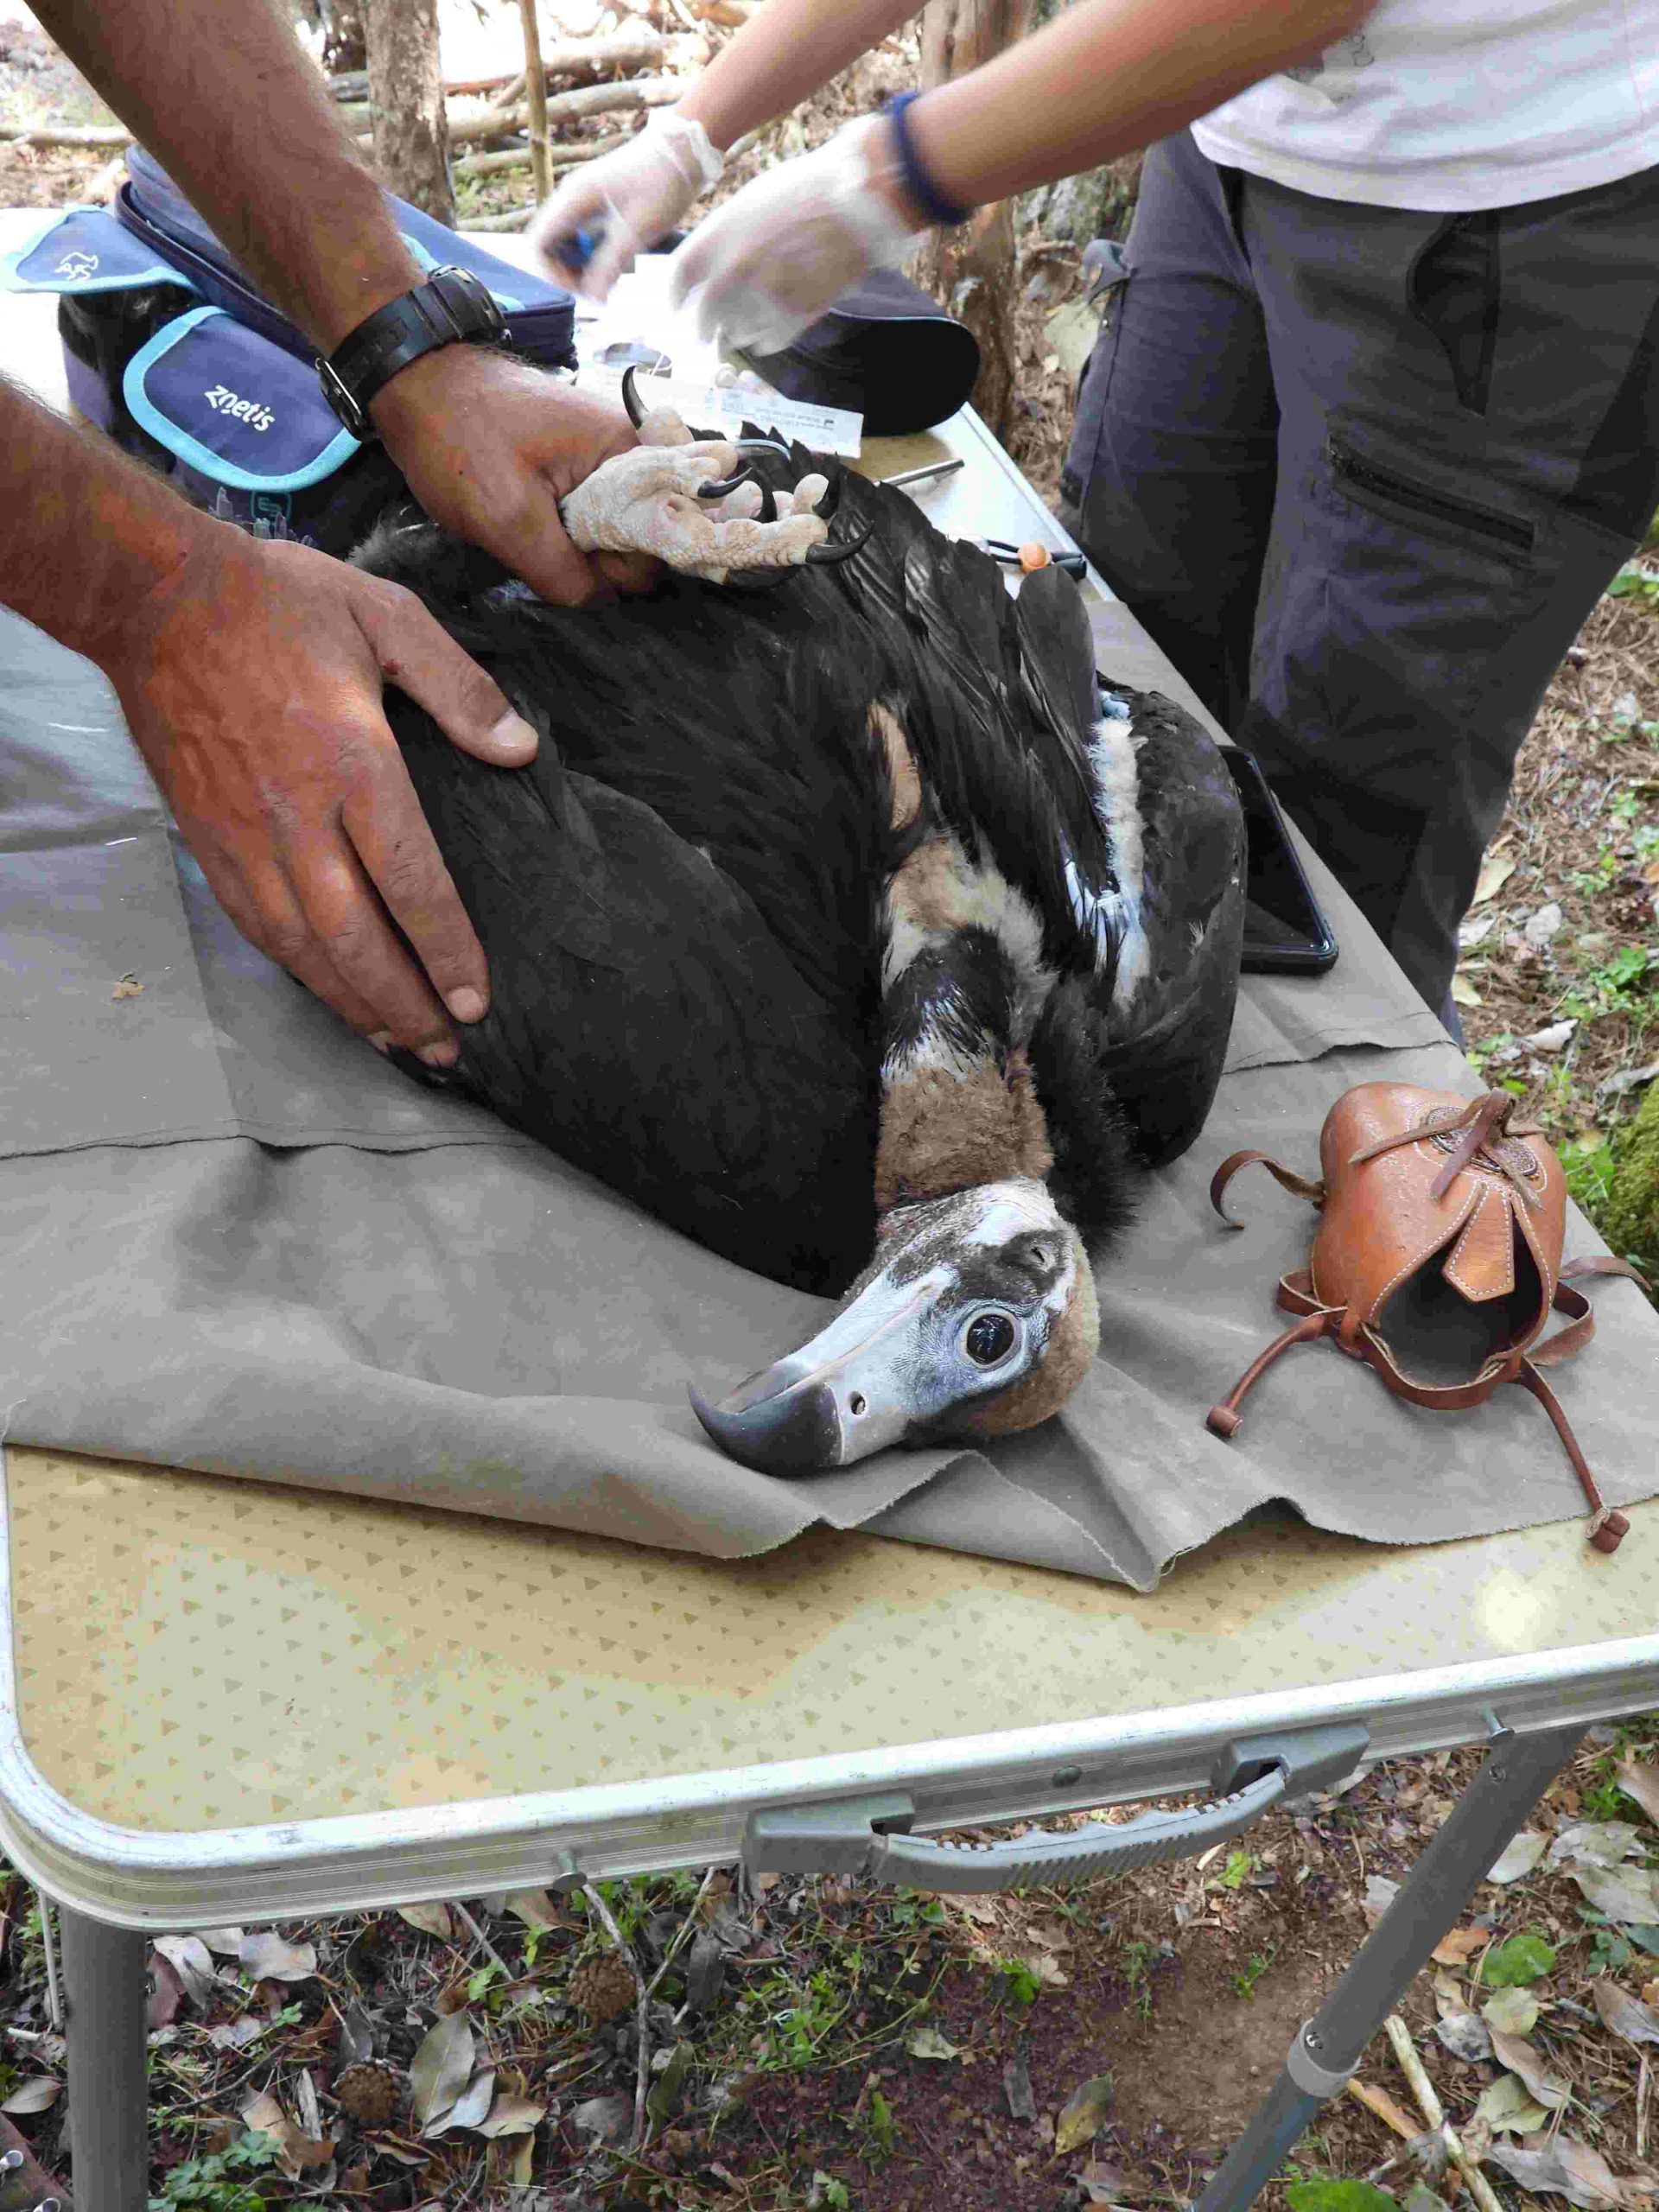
(631, 197)
(769, 262)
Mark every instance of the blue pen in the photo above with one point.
(578, 248)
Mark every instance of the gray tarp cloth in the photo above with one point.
(233, 1239)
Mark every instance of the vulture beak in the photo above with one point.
(949, 1333)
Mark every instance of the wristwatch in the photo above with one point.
(452, 308)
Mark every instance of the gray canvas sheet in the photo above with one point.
(233, 1239)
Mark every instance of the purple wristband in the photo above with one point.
(918, 183)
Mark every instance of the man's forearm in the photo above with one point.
(85, 533)
(1108, 76)
(781, 56)
(227, 100)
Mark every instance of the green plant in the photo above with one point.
(1513, 1964)
(1235, 1873)
(908, 1908)
(1245, 1981)
(1633, 581)
(1589, 1171)
(801, 2018)
(1618, 986)
(1136, 1960)
(1019, 1985)
(217, 2184)
(876, 2126)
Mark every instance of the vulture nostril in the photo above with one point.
(857, 1403)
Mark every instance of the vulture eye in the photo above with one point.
(989, 1339)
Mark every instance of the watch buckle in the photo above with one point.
(343, 400)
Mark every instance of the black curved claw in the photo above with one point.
(836, 550)
(830, 506)
(768, 504)
(630, 396)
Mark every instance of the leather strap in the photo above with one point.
(1483, 1122)
(1298, 1185)
(452, 308)
(1608, 1528)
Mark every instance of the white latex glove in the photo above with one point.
(769, 262)
(632, 197)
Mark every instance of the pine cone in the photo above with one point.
(370, 2092)
(602, 1987)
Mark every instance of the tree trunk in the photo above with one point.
(411, 138)
(972, 270)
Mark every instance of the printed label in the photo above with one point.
(253, 412)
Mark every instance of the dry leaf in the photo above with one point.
(1387, 2108)
(1505, 2104)
(128, 988)
(1513, 2011)
(1517, 2054)
(1570, 2169)
(926, 2042)
(296, 2150)
(1629, 1894)
(1101, 2184)
(1448, 1997)
(189, 1958)
(1016, 2082)
(1050, 1933)
(223, 1942)
(431, 1919)
(161, 2007)
(536, 1908)
(1635, 2023)
(237, 2035)
(980, 1910)
(1495, 872)
(271, 1957)
(1520, 1855)
(510, 2115)
(1465, 2035)
(472, 2106)
(1458, 1948)
(1639, 1781)
(39, 2093)
(1596, 1843)
(1463, 992)
(1379, 1894)
(440, 2069)
(1084, 2114)
(605, 2117)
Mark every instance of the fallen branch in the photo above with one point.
(642, 2011)
(66, 134)
(561, 156)
(1382, 2106)
(535, 88)
(1434, 2113)
(569, 107)
(512, 218)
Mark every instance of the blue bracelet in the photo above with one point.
(918, 183)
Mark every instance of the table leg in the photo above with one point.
(105, 1983)
(1327, 2049)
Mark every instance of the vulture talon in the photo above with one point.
(630, 396)
(836, 550)
(709, 492)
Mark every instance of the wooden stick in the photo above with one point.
(66, 134)
(642, 2012)
(535, 88)
(559, 156)
(1434, 2113)
(570, 107)
(1641, 2086)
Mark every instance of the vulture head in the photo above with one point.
(975, 1317)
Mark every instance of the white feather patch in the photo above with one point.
(1117, 915)
(966, 895)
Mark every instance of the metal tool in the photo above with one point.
(1034, 554)
(933, 469)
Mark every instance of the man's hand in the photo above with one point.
(252, 680)
(489, 446)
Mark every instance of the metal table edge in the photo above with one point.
(337, 1863)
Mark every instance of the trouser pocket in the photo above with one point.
(1094, 386)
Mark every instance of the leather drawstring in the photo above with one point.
(1223, 1419)
(1608, 1528)
(1287, 1180)
(1489, 1117)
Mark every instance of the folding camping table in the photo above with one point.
(223, 1701)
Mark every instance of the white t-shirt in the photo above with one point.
(1456, 104)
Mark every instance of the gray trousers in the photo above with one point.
(1362, 473)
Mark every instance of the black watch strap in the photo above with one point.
(451, 308)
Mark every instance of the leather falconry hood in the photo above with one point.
(1437, 1259)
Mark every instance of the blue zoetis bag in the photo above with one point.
(169, 348)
